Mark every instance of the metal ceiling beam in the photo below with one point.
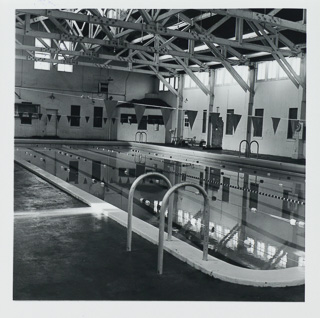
(169, 14)
(262, 18)
(218, 24)
(111, 67)
(274, 12)
(161, 78)
(96, 13)
(279, 55)
(274, 55)
(112, 43)
(110, 58)
(222, 58)
(145, 15)
(156, 29)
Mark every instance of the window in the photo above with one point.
(97, 116)
(272, 69)
(219, 76)
(26, 120)
(253, 200)
(229, 126)
(186, 121)
(261, 71)
(171, 81)
(187, 81)
(75, 116)
(260, 249)
(39, 65)
(225, 189)
(271, 251)
(176, 83)
(293, 115)
(143, 123)
(258, 123)
(67, 46)
(204, 121)
(161, 86)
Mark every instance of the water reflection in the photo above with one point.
(256, 220)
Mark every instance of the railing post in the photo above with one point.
(257, 147)
(206, 217)
(130, 202)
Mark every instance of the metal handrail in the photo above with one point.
(248, 148)
(130, 203)
(257, 147)
(206, 213)
(141, 133)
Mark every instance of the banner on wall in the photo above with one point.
(235, 121)
(166, 113)
(69, 118)
(87, 118)
(40, 116)
(105, 120)
(139, 112)
(192, 114)
(113, 120)
(58, 117)
(49, 116)
(256, 122)
(275, 123)
(30, 115)
(110, 106)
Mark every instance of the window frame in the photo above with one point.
(75, 119)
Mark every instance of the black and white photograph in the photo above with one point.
(157, 157)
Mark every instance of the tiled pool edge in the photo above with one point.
(183, 251)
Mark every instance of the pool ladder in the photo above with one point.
(165, 203)
(249, 147)
(141, 134)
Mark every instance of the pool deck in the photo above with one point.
(215, 268)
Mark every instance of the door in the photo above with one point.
(51, 123)
(217, 133)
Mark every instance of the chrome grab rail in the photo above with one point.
(130, 203)
(141, 133)
(206, 213)
(257, 147)
(248, 148)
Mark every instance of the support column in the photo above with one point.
(252, 78)
(299, 142)
(179, 108)
(210, 109)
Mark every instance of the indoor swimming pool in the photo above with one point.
(257, 214)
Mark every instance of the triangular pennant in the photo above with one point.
(255, 122)
(192, 114)
(139, 112)
(275, 123)
(40, 116)
(166, 113)
(30, 115)
(113, 120)
(236, 119)
(58, 117)
(294, 124)
(105, 120)
(49, 116)
(128, 180)
(85, 181)
(110, 106)
(87, 118)
(69, 118)
(20, 115)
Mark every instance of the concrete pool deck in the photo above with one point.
(186, 253)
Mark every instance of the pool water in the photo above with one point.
(257, 218)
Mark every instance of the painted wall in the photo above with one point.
(68, 89)
(276, 97)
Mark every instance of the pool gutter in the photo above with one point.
(214, 267)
